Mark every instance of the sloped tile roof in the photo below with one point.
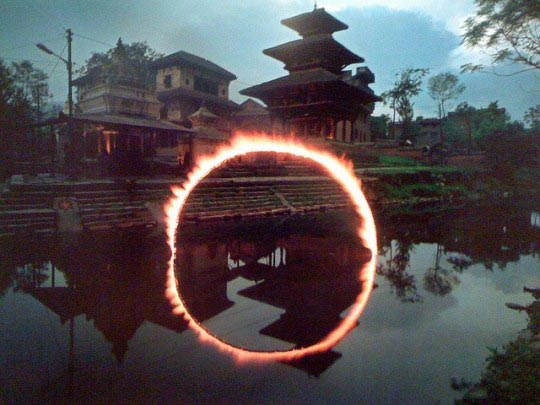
(186, 58)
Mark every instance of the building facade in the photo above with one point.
(252, 117)
(117, 122)
(186, 82)
(195, 92)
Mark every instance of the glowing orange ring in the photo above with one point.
(342, 173)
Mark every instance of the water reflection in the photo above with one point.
(459, 239)
(297, 278)
(111, 329)
(511, 374)
(114, 283)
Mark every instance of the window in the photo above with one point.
(164, 113)
(167, 81)
(187, 82)
(206, 86)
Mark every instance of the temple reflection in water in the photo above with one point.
(310, 276)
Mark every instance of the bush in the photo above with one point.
(510, 150)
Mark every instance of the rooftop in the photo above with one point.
(250, 108)
(294, 79)
(197, 95)
(304, 77)
(314, 22)
(182, 58)
(314, 47)
(204, 113)
(122, 120)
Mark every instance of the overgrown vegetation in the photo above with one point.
(423, 190)
(128, 64)
(511, 375)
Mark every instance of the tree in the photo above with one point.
(407, 85)
(33, 86)
(532, 117)
(23, 95)
(442, 88)
(35, 93)
(124, 64)
(437, 280)
(467, 125)
(8, 109)
(379, 126)
(508, 29)
(460, 124)
(490, 120)
(7, 91)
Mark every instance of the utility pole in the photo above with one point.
(71, 138)
(36, 130)
(69, 65)
(70, 72)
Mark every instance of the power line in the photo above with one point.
(57, 61)
(93, 40)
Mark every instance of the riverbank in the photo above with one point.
(48, 205)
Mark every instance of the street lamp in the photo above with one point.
(69, 66)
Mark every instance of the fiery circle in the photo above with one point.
(341, 172)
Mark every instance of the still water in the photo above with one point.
(87, 319)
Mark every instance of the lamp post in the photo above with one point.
(69, 65)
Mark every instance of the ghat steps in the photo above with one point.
(128, 204)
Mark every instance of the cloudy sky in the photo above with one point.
(389, 34)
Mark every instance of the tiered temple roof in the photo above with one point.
(316, 85)
(315, 22)
(320, 50)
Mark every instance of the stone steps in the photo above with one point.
(110, 206)
(123, 205)
(232, 201)
(27, 212)
(234, 207)
(14, 221)
(118, 225)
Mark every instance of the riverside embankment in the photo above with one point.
(44, 205)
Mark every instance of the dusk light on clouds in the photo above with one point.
(390, 34)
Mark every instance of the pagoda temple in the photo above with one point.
(318, 99)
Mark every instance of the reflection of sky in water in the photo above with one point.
(535, 219)
(419, 347)
(400, 352)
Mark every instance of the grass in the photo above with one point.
(419, 190)
(411, 169)
(400, 161)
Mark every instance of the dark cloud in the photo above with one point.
(233, 34)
